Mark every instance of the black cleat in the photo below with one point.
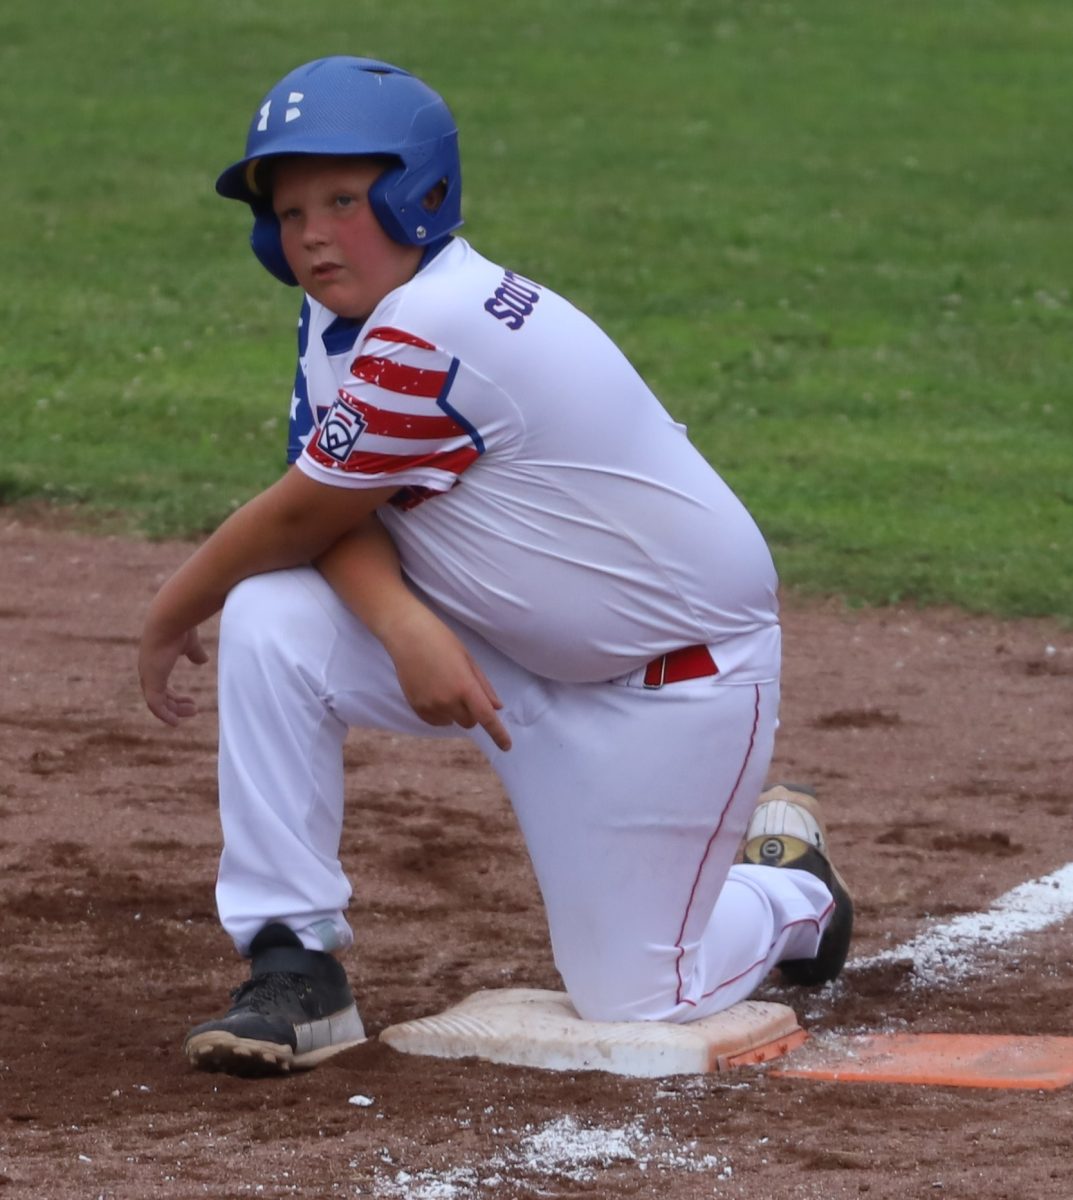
(294, 1011)
(787, 831)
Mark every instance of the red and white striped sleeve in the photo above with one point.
(394, 419)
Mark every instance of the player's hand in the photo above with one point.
(440, 681)
(156, 659)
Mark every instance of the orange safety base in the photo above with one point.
(945, 1059)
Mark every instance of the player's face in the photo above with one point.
(331, 237)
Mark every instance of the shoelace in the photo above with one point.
(261, 993)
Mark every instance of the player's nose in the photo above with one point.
(314, 232)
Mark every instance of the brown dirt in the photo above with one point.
(940, 743)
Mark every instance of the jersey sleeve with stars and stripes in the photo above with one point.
(399, 416)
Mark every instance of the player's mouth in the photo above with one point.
(325, 271)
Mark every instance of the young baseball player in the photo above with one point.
(490, 528)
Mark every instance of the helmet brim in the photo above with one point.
(239, 181)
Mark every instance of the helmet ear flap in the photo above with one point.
(380, 194)
(267, 244)
(397, 198)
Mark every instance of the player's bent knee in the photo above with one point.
(654, 1006)
(646, 992)
(262, 606)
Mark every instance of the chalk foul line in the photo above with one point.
(950, 950)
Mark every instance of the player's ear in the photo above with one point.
(435, 196)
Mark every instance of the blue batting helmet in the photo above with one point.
(354, 106)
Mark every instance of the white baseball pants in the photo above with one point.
(632, 803)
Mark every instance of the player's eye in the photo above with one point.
(345, 200)
(288, 214)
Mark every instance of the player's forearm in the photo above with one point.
(287, 525)
(439, 679)
(363, 570)
(240, 547)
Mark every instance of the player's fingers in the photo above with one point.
(183, 706)
(436, 716)
(157, 703)
(486, 685)
(481, 712)
(497, 731)
(170, 708)
(481, 704)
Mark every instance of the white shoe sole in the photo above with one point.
(221, 1050)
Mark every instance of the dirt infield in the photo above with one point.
(942, 745)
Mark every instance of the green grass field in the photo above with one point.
(834, 235)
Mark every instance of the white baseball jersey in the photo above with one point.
(546, 498)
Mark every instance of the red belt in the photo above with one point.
(691, 662)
